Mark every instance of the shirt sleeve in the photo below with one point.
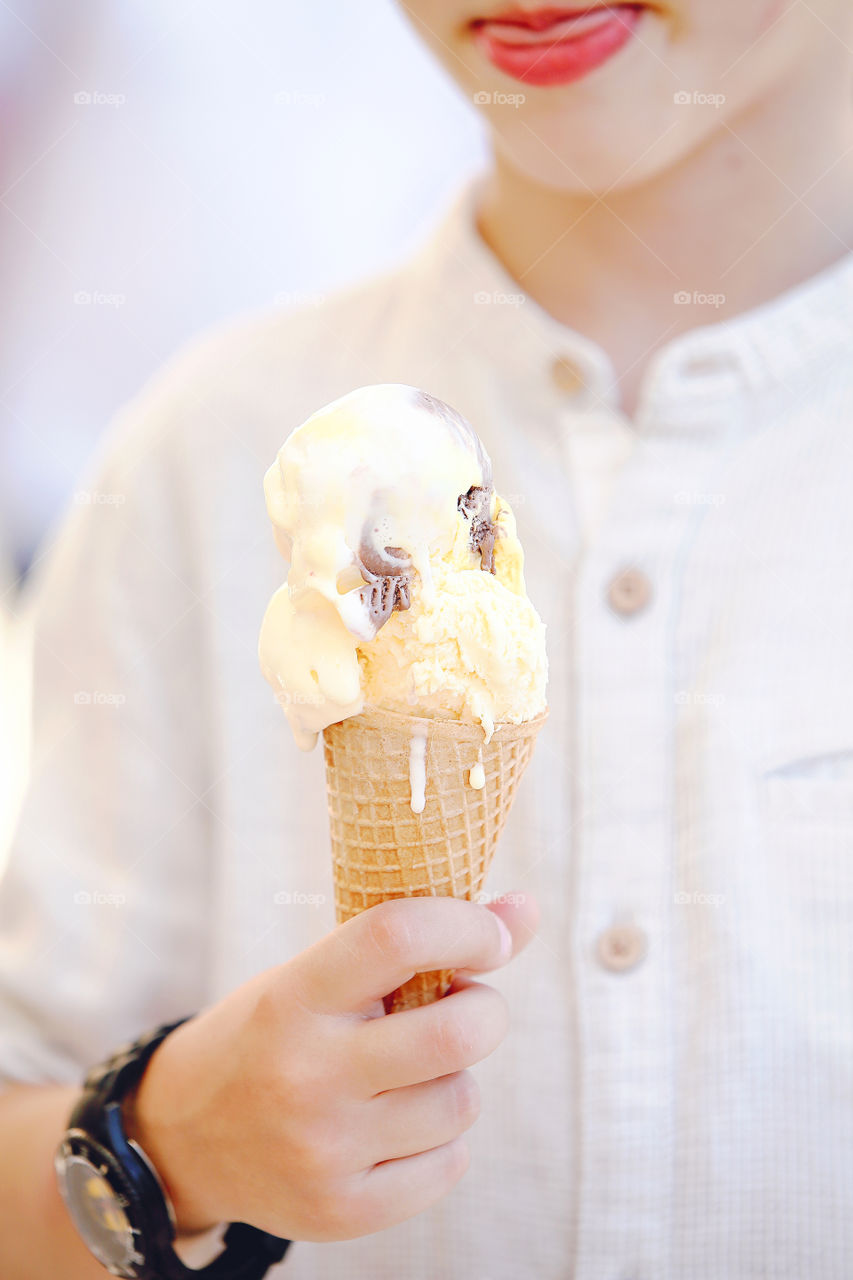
(104, 899)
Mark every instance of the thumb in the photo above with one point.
(519, 911)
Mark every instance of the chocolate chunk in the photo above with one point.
(388, 580)
(388, 564)
(383, 595)
(475, 506)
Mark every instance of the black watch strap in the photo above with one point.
(112, 1080)
(248, 1253)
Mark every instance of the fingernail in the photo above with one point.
(506, 940)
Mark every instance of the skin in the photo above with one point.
(607, 197)
(336, 1119)
(295, 1103)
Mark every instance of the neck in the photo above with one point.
(761, 205)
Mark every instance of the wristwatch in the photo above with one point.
(115, 1197)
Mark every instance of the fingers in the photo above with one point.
(398, 1189)
(378, 950)
(422, 1044)
(520, 913)
(405, 1121)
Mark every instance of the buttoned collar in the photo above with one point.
(704, 377)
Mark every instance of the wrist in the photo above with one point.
(120, 1200)
(155, 1121)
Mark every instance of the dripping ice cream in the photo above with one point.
(405, 589)
(404, 635)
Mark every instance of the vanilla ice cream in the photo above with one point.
(405, 589)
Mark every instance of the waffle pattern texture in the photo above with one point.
(382, 849)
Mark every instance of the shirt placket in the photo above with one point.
(627, 607)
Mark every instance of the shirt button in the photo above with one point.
(629, 592)
(621, 947)
(566, 374)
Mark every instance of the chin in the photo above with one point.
(585, 155)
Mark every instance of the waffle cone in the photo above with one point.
(382, 849)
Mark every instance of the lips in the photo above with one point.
(551, 46)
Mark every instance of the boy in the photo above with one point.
(645, 309)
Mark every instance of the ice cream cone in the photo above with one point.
(382, 848)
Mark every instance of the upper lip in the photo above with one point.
(541, 19)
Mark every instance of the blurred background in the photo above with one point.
(163, 165)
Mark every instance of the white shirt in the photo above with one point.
(674, 1100)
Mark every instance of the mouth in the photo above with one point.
(551, 46)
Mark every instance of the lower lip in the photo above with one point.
(561, 60)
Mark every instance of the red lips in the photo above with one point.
(552, 46)
(540, 19)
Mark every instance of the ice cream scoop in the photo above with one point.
(404, 634)
(405, 587)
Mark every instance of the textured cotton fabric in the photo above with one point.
(686, 1115)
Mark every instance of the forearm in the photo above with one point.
(37, 1238)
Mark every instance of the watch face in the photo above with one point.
(98, 1211)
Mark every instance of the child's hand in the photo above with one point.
(295, 1105)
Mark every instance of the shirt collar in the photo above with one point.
(693, 380)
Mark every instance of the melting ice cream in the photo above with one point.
(405, 588)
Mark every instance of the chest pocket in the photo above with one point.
(804, 757)
(805, 812)
(815, 789)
